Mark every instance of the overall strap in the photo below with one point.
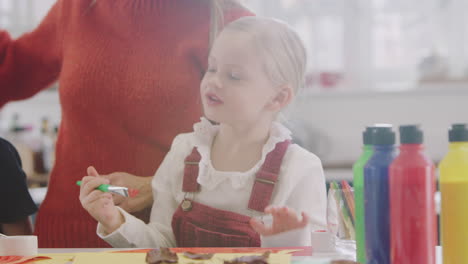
(190, 183)
(267, 177)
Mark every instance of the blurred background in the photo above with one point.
(370, 61)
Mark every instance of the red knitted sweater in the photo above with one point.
(129, 74)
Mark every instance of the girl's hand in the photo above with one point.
(144, 197)
(100, 205)
(284, 219)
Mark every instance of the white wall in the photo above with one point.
(335, 122)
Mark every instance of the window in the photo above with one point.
(19, 16)
(379, 45)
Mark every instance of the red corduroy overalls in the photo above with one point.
(198, 225)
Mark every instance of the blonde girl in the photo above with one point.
(238, 166)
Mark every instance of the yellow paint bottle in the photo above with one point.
(453, 171)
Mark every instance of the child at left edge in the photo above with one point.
(238, 165)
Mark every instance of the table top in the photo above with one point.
(317, 257)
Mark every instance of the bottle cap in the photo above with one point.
(382, 134)
(458, 133)
(411, 134)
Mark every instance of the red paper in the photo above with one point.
(20, 259)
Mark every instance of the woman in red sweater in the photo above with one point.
(129, 72)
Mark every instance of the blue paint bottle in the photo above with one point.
(376, 195)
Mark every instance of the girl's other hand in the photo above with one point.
(100, 205)
(284, 219)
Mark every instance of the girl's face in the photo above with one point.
(235, 88)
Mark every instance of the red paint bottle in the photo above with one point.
(413, 232)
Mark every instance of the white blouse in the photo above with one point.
(301, 186)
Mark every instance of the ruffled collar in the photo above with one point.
(209, 177)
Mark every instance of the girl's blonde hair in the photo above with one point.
(217, 9)
(282, 51)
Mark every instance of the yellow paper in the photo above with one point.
(57, 258)
(135, 258)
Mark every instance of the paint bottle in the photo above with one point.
(376, 196)
(412, 183)
(358, 185)
(453, 171)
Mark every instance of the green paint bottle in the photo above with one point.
(358, 184)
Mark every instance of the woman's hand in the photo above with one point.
(144, 197)
(284, 219)
(100, 205)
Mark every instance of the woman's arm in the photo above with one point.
(33, 61)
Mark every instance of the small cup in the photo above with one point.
(18, 246)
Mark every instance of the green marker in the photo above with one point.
(110, 188)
